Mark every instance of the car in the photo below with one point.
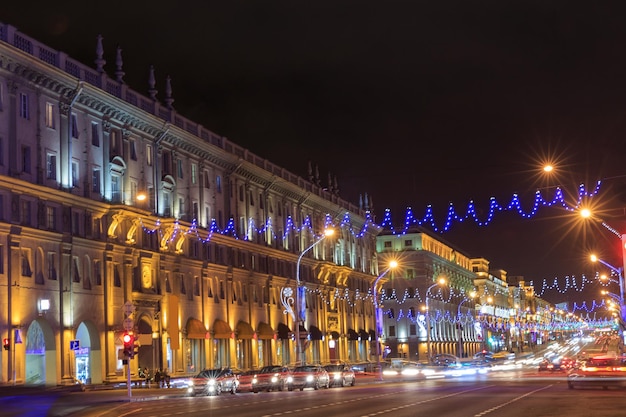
(445, 359)
(213, 382)
(271, 377)
(602, 371)
(308, 376)
(245, 380)
(548, 365)
(340, 375)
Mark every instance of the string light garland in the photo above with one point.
(494, 207)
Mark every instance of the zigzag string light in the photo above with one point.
(494, 206)
(570, 283)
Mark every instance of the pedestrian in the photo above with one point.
(157, 378)
(146, 375)
(165, 379)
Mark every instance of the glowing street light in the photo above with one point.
(620, 276)
(289, 300)
(440, 281)
(459, 328)
(379, 316)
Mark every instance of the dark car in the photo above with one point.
(601, 371)
(340, 375)
(271, 378)
(308, 376)
(213, 382)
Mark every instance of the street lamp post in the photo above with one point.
(619, 298)
(441, 281)
(378, 311)
(459, 330)
(300, 299)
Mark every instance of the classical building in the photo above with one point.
(117, 214)
(412, 297)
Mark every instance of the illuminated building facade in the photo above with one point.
(118, 214)
(424, 259)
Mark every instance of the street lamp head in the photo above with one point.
(329, 232)
(442, 281)
(489, 299)
(548, 168)
(593, 258)
(393, 264)
(585, 213)
(473, 294)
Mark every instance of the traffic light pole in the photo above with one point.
(130, 392)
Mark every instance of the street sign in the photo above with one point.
(74, 344)
(128, 323)
(129, 308)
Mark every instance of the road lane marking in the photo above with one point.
(511, 401)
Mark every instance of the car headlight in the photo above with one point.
(309, 378)
(337, 375)
(254, 380)
(211, 382)
(289, 379)
(274, 379)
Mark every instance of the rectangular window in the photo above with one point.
(207, 182)
(51, 166)
(181, 207)
(95, 134)
(26, 268)
(52, 269)
(50, 115)
(75, 176)
(24, 106)
(133, 149)
(95, 180)
(408, 242)
(149, 155)
(179, 165)
(167, 162)
(116, 195)
(26, 159)
(114, 143)
(1, 250)
(195, 210)
(194, 173)
(51, 214)
(387, 244)
(74, 126)
(218, 183)
(76, 223)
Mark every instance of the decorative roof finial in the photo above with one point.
(152, 91)
(119, 73)
(168, 92)
(100, 62)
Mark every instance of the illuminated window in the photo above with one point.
(24, 106)
(50, 116)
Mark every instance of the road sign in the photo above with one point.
(129, 308)
(74, 344)
(128, 323)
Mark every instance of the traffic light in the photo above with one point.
(6, 343)
(128, 339)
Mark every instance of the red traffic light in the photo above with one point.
(6, 343)
(128, 339)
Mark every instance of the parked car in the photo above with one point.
(213, 382)
(245, 380)
(271, 378)
(602, 371)
(340, 375)
(308, 376)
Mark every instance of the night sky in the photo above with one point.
(412, 102)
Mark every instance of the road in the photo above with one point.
(500, 394)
